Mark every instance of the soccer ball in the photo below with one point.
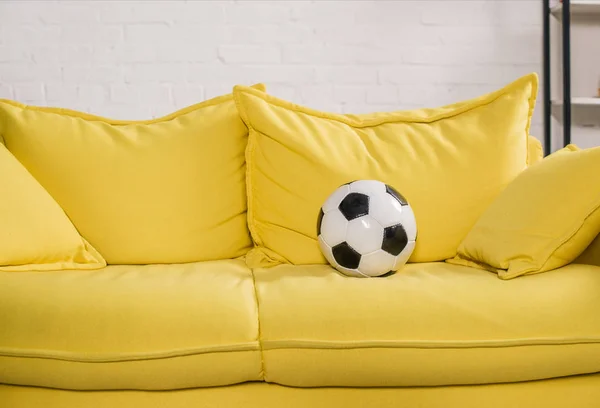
(366, 229)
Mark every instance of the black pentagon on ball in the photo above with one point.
(394, 239)
(346, 256)
(385, 275)
(354, 205)
(394, 193)
(319, 221)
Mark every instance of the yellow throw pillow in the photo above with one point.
(449, 162)
(167, 190)
(35, 233)
(536, 151)
(543, 220)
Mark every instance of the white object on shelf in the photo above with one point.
(580, 101)
(584, 113)
(579, 7)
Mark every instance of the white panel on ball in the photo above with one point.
(334, 228)
(368, 187)
(376, 263)
(351, 272)
(326, 249)
(385, 209)
(336, 198)
(403, 256)
(364, 234)
(408, 221)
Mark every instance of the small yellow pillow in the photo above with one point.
(449, 162)
(543, 220)
(167, 190)
(35, 233)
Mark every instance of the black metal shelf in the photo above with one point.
(565, 13)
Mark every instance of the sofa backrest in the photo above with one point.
(166, 190)
(449, 162)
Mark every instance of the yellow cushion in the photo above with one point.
(543, 220)
(535, 150)
(449, 162)
(581, 391)
(159, 191)
(130, 327)
(430, 324)
(591, 255)
(35, 233)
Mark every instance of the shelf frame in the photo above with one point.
(566, 73)
(546, 88)
(566, 54)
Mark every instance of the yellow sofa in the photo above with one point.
(235, 331)
(218, 334)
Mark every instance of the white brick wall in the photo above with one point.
(136, 59)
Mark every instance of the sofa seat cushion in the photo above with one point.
(429, 324)
(130, 327)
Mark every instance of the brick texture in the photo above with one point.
(137, 59)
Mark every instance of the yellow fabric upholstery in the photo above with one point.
(591, 255)
(579, 392)
(449, 162)
(159, 191)
(35, 233)
(535, 151)
(430, 324)
(130, 327)
(543, 220)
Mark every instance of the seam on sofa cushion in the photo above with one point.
(248, 156)
(117, 122)
(259, 334)
(250, 193)
(118, 357)
(316, 344)
(396, 116)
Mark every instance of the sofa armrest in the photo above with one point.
(591, 256)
